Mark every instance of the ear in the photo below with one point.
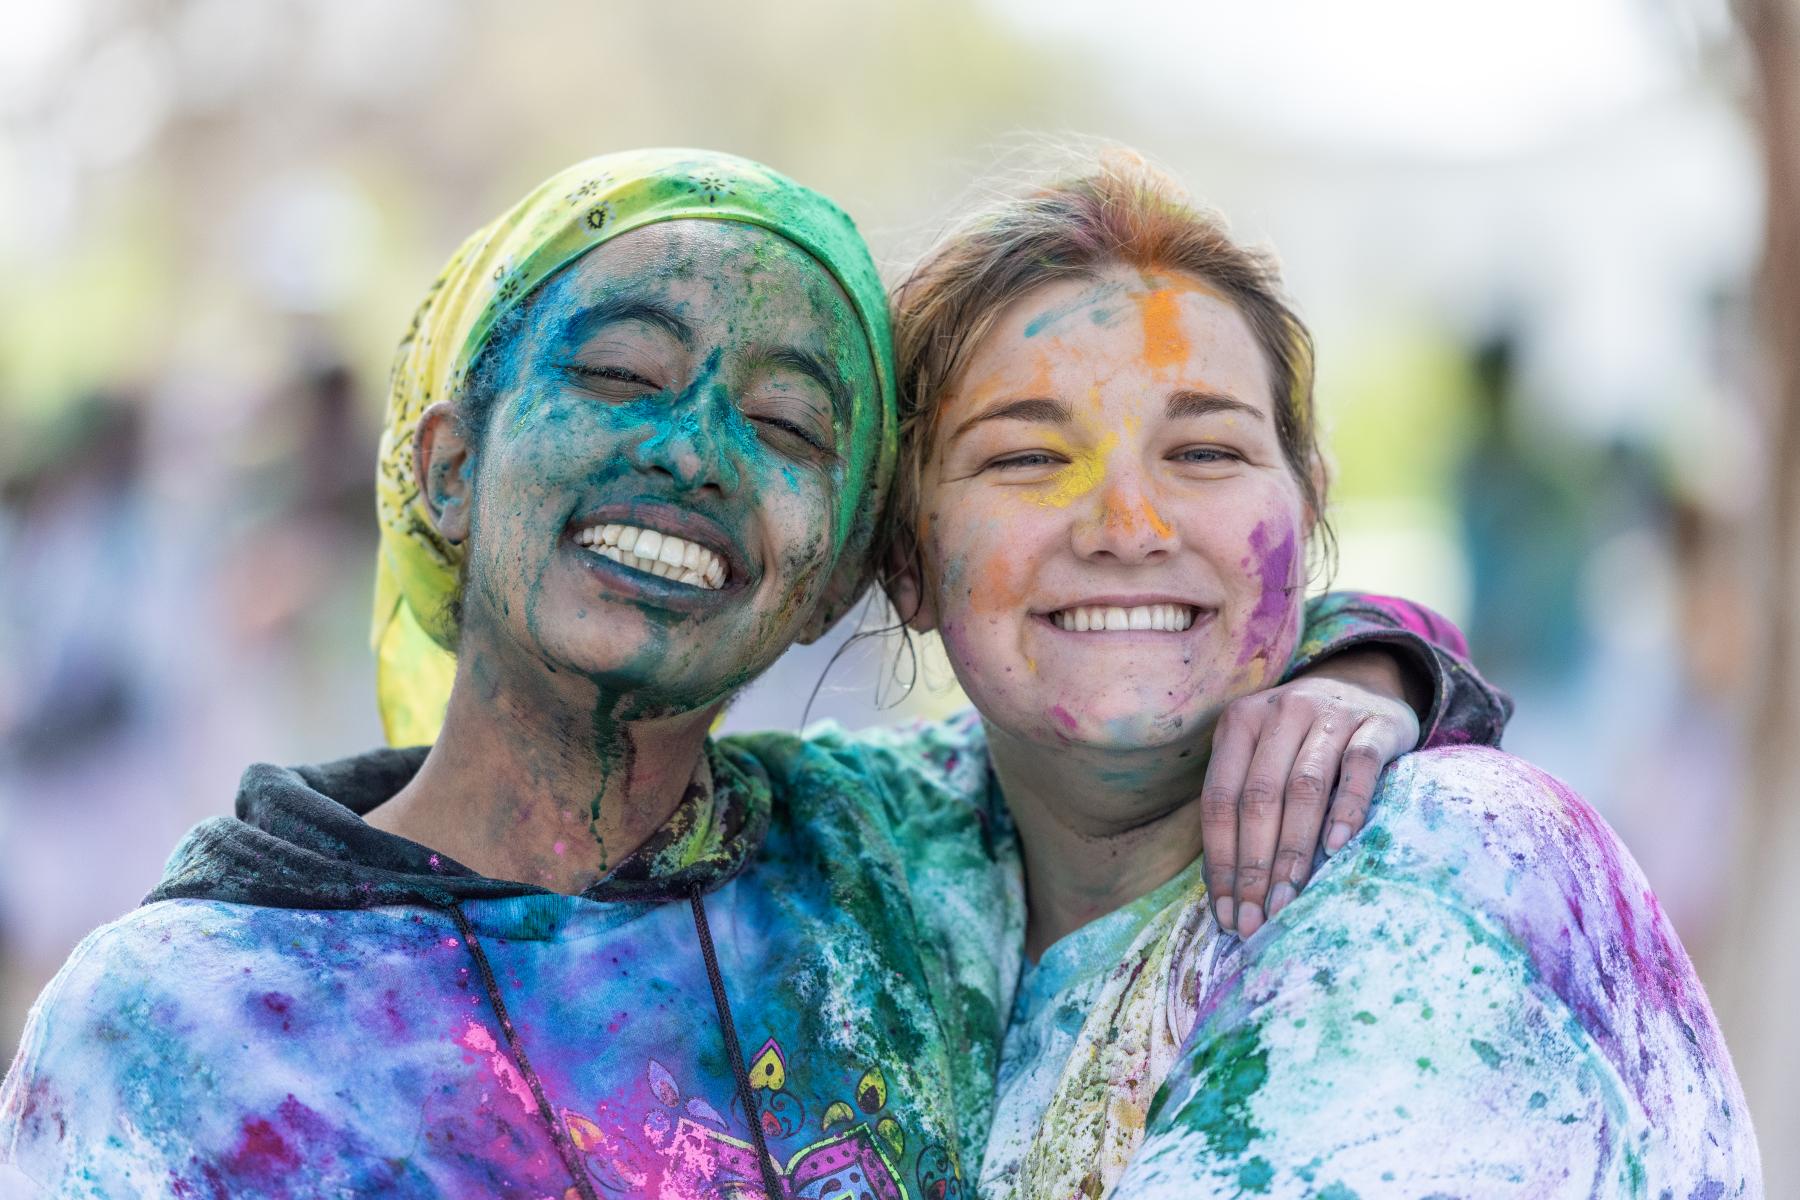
(903, 578)
(444, 464)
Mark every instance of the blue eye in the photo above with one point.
(1208, 454)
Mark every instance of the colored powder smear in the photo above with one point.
(1156, 521)
(1083, 474)
(477, 1038)
(1273, 609)
(1165, 347)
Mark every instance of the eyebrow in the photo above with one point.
(815, 368)
(1029, 408)
(617, 309)
(1188, 403)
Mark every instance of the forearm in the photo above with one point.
(1456, 706)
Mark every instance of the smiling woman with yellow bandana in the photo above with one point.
(488, 278)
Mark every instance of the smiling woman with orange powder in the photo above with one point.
(1110, 480)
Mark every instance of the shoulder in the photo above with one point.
(1519, 883)
(133, 974)
(904, 772)
(167, 1026)
(1475, 824)
(1487, 833)
(106, 1019)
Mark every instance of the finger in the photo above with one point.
(1259, 815)
(1375, 743)
(1234, 738)
(1303, 814)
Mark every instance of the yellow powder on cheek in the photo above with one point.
(1254, 673)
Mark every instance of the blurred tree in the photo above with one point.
(1759, 984)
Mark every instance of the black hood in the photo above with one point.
(299, 841)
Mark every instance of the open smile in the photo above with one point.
(1126, 614)
(659, 552)
(1116, 618)
(665, 555)
(1160, 617)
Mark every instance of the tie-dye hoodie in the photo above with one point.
(307, 1006)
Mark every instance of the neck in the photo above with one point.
(1099, 828)
(548, 789)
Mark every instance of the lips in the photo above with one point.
(1118, 618)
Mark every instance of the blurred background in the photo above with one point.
(1550, 250)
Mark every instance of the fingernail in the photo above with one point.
(1250, 919)
(1225, 906)
(1279, 897)
(1336, 836)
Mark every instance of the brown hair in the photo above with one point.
(1118, 209)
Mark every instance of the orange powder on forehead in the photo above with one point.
(1165, 347)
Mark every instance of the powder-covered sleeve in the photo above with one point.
(1386, 1046)
(1465, 708)
(1479, 997)
(56, 1128)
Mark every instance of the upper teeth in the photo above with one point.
(1171, 617)
(659, 553)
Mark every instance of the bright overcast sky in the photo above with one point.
(1453, 79)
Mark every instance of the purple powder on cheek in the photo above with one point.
(1273, 611)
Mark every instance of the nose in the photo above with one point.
(698, 442)
(1122, 523)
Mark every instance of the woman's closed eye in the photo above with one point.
(1027, 460)
(792, 424)
(793, 429)
(610, 381)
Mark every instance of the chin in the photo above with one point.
(1121, 724)
(642, 677)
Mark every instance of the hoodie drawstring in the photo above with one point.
(746, 1097)
(558, 1134)
(727, 1027)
